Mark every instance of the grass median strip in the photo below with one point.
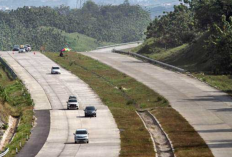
(15, 101)
(123, 95)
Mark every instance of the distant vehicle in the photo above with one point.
(22, 50)
(90, 111)
(27, 47)
(81, 135)
(72, 104)
(55, 70)
(16, 48)
(72, 97)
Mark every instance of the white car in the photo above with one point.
(81, 135)
(72, 104)
(27, 47)
(22, 50)
(55, 70)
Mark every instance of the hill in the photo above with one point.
(77, 41)
(117, 24)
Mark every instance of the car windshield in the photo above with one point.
(90, 108)
(16, 46)
(81, 132)
(55, 68)
(72, 97)
(72, 100)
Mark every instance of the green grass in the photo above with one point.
(15, 101)
(185, 140)
(169, 53)
(80, 42)
(221, 82)
(125, 95)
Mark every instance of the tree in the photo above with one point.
(126, 2)
(220, 46)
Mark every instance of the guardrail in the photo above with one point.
(152, 61)
(5, 152)
(134, 42)
(12, 73)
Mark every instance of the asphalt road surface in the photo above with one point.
(50, 92)
(208, 110)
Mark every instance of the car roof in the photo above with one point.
(81, 130)
(90, 106)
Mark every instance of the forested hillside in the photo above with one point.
(205, 26)
(122, 23)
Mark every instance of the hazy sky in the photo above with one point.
(72, 3)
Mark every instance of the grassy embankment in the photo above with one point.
(15, 101)
(123, 95)
(192, 57)
(80, 42)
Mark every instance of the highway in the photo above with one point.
(207, 109)
(53, 134)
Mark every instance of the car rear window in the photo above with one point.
(72, 100)
(81, 132)
(55, 68)
(90, 108)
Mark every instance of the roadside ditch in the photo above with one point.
(162, 144)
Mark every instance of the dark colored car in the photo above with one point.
(90, 111)
(16, 48)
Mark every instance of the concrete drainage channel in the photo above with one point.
(162, 144)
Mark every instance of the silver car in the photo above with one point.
(81, 135)
(55, 70)
(72, 104)
(22, 50)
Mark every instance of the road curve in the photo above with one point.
(104, 137)
(208, 110)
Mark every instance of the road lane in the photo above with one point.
(104, 139)
(208, 110)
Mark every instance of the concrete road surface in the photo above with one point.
(208, 110)
(52, 92)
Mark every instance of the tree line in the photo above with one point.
(122, 23)
(189, 21)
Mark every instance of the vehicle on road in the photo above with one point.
(72, 103)
(16, 48)
(81, 135)
(55, 70)
(22, 49)
(90, 111)
(27, 47)
(72, 97)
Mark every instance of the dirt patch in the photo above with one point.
(1, 130)
(161, 142)
(12, 125)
